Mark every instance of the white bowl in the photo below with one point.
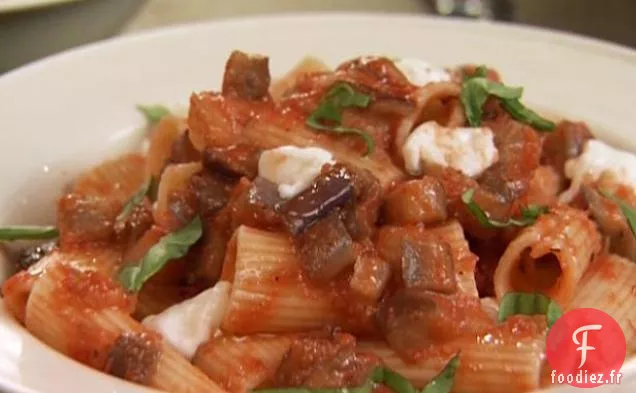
(61, 114)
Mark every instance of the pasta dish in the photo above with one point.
(384, 226)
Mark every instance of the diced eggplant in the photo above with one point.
(232, 161)
(32, 255)
(246, 76)
(183, 151)
(326, 249)
(133, 357)
(265, 193)
(370, 276)
(324, 362)
(422, 200)
(412, 319)
(212, 192)
(405, 318)
(329, 191)
(361, 215)
(564, 143)
(428, 266)
(611, 223)
(82, 218)
(136, 223)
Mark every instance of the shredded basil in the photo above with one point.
(527, 115)
(514, 303)
(393, 380)
(135, 200)
(443, 382)
(27, 232)
(628, 212)
(172, 246)
(340, 96)
(153, 113)
(475, 91)
(529, 214)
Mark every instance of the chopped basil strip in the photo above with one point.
(514, 303)
(172, 246)
(529, 214)
(481, 71)
(27, 232)
(475, 91)
(153, 113)
(135, 200)
(393, 380)
(443, 382)
(628, 212)
(328, 115)
(366, 388)
(526, 115)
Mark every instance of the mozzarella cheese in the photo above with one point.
(188, 324)
(469, 150)
(292, 168)
(420, 73)
(599, 159)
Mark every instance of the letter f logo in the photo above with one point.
(583, 344)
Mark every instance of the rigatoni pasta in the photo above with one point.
(381, 225)
(269, 294)
(550, 256)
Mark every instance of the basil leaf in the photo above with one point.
(526, 115)
(529, 214)
(443, 382)
(172, 246)
(628, 212)
(475, 92)
(367, 387)
(153, 113)
(342, 95)
(514, 303)
(393, 380)
(473, 97)
(481, 71)
(27, 232)
(134, 200)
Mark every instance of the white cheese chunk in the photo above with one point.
(469, 150)
(292, 168)
(188, 324)
(421, 73)
(599, 159)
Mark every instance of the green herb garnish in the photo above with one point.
(529, 214)
(628, 212)
(28, 232)
(514, 303)
(527, 115)
(443, 382)
(475, 91)
(153, 113)
(393, 380)
(328, 115)
(171, 246)
(135, 200)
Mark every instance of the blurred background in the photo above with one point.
(31, 29)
